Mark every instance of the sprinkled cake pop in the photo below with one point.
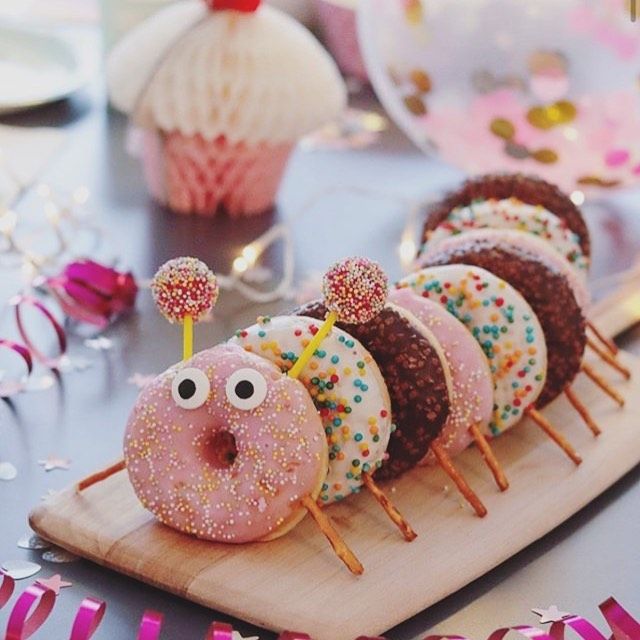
(184, 287)
(355, 289)
(185, 290)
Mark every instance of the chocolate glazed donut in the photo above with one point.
(415, 378)
(550, 296)
(528, 189)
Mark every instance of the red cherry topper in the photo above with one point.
(244, 6)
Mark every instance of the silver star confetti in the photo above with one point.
(237, 636)
(57, 555)
(33, 542)
(53, 462)
(8, 471)
(551, 614)
(20, 569)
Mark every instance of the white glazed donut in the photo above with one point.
(502, 322)
(347, 388)
(512, 214)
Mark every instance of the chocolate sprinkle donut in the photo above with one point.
(415, 378)
(500, 186)
(549, 294)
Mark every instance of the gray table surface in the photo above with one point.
(593, 555)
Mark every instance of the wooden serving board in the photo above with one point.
(297, 583)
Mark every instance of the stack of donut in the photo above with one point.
(237, 443)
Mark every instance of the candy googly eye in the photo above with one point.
(246, 389)
(190, 388)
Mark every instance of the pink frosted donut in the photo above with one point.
(531, 243)
(224, 446)
(472, 384)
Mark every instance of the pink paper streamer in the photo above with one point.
(30, 612)
(88, 619)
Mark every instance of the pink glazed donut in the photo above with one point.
(224, 447)
(472, 386)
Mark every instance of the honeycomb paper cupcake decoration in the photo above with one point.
(220, 91)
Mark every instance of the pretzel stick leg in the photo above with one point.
(339, 545)
(554, 434)
(489, 457)
(608, 358)
(602, 383)
(447, 465)
(607, 342)
(393, 513)
(583, 411)
(101, 475)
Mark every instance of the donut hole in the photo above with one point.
(221, 450)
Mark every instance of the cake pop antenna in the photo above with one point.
(185, 290)
(355, 291)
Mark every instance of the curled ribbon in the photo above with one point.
(150, 626)
(21, 301)
(621, 622)
(30, 612)
(6, 588)
(35, 605)
(87, 619)
(8, 388)
(220, 631)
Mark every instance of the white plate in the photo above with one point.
(36, 68)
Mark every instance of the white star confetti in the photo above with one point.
(52, 463)
(551, 614)
(237, 636)
(8, 471)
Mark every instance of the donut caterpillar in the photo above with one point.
(355, 293)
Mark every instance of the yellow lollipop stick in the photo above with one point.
(310, 349)
(187, 337)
